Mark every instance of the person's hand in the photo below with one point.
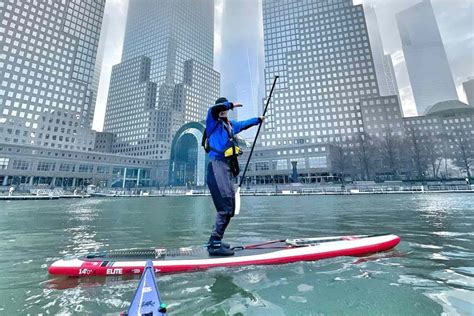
(262, 118)
(237, 105)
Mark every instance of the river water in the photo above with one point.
(431, 272)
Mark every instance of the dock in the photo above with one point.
(40, 197)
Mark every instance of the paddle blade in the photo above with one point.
(237, 202)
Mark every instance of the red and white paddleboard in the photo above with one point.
(121, 262)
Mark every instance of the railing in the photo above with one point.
(263, 190)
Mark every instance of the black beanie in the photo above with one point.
(221, 100)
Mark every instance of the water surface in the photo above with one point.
(431, 272)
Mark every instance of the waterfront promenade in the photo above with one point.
(282, 190)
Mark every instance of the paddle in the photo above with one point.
(237, 192)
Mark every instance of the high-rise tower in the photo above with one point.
(428, 68)
(321, 51)
(469, 90)
(168, 49)
(240, 56)
(47, 66)
(383, 62)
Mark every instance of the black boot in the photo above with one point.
(224, 244)
(219, 250)
(216, 248)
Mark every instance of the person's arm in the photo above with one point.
(238, 126)
(216, 109)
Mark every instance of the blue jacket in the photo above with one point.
(218, 137)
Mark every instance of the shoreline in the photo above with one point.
(192, 194)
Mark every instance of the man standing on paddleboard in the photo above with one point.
(223, 150)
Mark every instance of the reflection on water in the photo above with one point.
(81, 232)
(224, 288)
(431, 271)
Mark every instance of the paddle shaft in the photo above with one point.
(258, 131)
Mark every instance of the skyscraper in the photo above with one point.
(383, 62)
(428, 68)
(469, 90)
(98, 69)
(47, 65)
(321, 51)
(168, 44)
(240, 56)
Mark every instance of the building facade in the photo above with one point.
(310, 163)
(384, 70)
(445, 136)
(47, 61)
(382, 115)
(171, 44)
(195, 94)
(131, 113)
(104, 142)
(428, 68)
(98, 70)
(469, 90)
(31, 166)
(321, 50)
(188, 160)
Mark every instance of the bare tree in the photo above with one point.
(416, 153)
(365, 154)
(341, 158)
(446, 155)
(390, 151)
(463, 153)
(433, 153)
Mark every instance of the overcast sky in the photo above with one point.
(455, 20)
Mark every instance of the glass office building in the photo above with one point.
(47, 63)
(427, 64)
(177, 39)
(321, 51)
(383, 62)
(468, 87)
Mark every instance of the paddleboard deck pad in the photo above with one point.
(133, 261)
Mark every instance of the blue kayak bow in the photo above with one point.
(146, 300)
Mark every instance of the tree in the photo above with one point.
(365, 154)
(433, 154)
(390, 151)
(340, 157)
(463, 153)
(416, 153)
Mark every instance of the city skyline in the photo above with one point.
(455, 20)
(327, 99)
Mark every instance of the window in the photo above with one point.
(20, 164)
(102, 169)
(67, 167)
(4, 163)
(46, 166)
(280, 164)
(85, 168)
(261, 165)
(317, 162)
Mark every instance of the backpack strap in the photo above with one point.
(205, 138)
